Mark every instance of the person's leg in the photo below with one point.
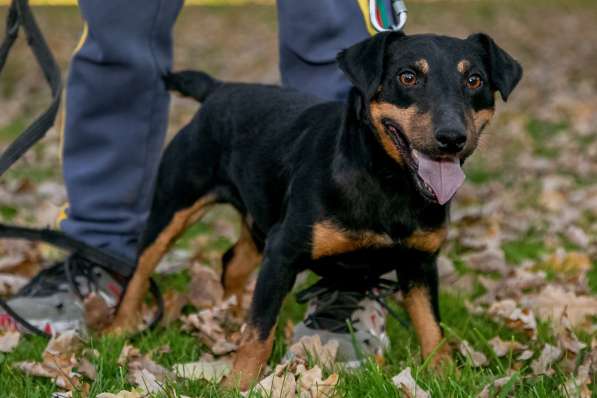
(115, 120)
(311, 33)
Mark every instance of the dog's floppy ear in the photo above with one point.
(363, 63)
(504, 71)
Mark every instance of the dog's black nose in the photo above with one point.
(450, 140)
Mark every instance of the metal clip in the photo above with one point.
(400, 12)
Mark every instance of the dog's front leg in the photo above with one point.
(419, 284)
(276, 277)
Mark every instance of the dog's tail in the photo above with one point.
(195, 84)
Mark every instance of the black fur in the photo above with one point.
(287, 161)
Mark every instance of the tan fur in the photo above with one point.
(245, 259)
(463, 66)
(415, 125)
(129, 312)
(423, 65)
(329, 239)
(250, 359)
(427, 241)
(418, 305)
(482, 118)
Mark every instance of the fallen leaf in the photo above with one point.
(477, 358)
(405, 383)
(489, 260)
(311, 383)
(9, 341)
(491, 389)
(502, 348)
(137, 393)
(143, 372)
(514, 317)
(548, 357)
(277, 386)
(525, 355)
(10, 284)
(311, 347)
(98, 314)
(86, 368)
(205, 289)
(203, 370)
(551, 302)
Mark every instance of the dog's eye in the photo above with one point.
(408, 79)
(474, 82)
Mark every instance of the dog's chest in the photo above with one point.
(329, 239)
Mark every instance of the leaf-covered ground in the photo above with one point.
(519, 275)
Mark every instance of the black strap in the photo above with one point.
(20, 15)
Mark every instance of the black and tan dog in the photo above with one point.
(347, 190)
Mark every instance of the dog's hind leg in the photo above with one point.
(238, 263)
(183, 194)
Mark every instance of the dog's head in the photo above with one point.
(427, 99)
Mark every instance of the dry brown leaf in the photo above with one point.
(205, 289)
(543, 364)
(136, 393)
(502, 348)
(58, 361)
(567, 339)
(98, 314)
(405, 383)
(311, 383)
(10, 284)
(9, 341)
(143, 372)
(203, 370)
(311, 347)
(525, 355)
(551, 302)
(571, 263)
(514, 317)
(494, 387)
(86, 368)
(489, 260)
(477, 358)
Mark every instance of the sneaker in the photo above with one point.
(53, 300)
(352, 315)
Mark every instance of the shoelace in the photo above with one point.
(337, 300)
(51, 279)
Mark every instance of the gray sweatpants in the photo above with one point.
(117, 106)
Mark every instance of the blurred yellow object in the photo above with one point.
(187, 2)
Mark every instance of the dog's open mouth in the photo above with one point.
(437, 179)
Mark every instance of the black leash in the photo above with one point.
(20, 17)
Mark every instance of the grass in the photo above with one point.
(373, 380)
(460, 380)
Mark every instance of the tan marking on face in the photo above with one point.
(423, 65)
(250, 359)
(129, 311)
(427, 241)
(416, 126)
(329, 239)
(482, 118)
(245, 259)
(463, 66)
(418, 305)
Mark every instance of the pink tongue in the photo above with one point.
(443, 176)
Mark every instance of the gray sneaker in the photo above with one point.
(52, 301)
(352, 315)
